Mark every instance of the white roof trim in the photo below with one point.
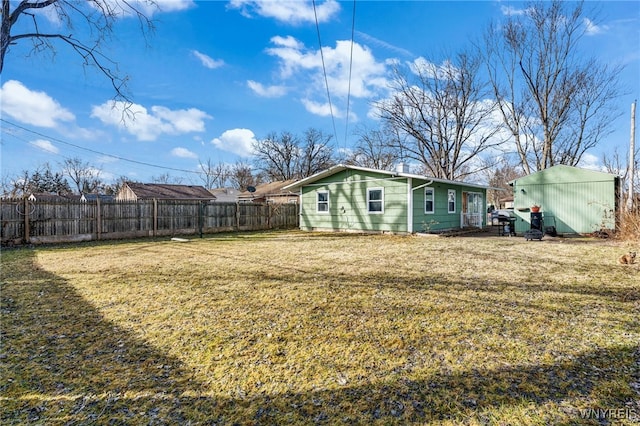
(340, 167)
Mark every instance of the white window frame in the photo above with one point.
(318, 202)
(433, 200)
(381, 201)
(449, 193)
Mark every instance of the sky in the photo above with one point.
(214, 76)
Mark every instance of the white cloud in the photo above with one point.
(383, 44)
(422, 66)
(288, 41)
(31, 107)
(591, 28)
(366, 72)
(173, 5)
(50, 14)
(207, 61)
(183, 153)
(149, 125)
(106, 159)
(266, 92)
(321, 109)
(292, 12)
(45, 145)
(183, 120)
(349, 70)
(237, 141)
(128, 8)
(105, 176)
(512, 11)
(292, 56)
(591, 162)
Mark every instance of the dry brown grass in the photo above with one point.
(291, 327)
(629, 229)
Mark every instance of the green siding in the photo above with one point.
(574, 200)
(348, 203)
(441, 218)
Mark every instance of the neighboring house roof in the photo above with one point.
(225, 195)
(269, 190)
(44, 196)
(169, 191)
(94, 197)
(340, 167)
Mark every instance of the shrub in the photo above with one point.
(629, 227)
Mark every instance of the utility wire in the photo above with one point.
(142, 163)
(353, 29)
(324, 70)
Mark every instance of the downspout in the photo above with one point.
(300, 211)
(410, 203)
(409, 207)
(422, 186)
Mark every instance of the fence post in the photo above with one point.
(155, 217)
(200, 216)
(27, 230)
(269, 213)
(98, 219)
(237, 216)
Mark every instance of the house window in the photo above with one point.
(429, 198)
(322, 201)
(451, 201)
(375, 200)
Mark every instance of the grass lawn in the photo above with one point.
(306, 328)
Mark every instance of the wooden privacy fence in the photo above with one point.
(24, 221)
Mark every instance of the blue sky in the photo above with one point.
(214, 76)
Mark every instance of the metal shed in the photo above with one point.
(571, 199)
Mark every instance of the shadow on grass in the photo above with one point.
(62, 362)
(393, 279)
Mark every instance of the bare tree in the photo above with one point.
(286, 156)
(278, 155)
(84, 176)
(114, 188)
(222, 175)
(242, 176)
(16, 186)
(501, 172)
(93, 17)
(556, 105)
(214, 175)
(168, 179)
(617, 165)
(7, 187)
(375, 149)
(444, 112)
(316, 154)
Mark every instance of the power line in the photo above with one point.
(324, 71)
(117, 157)
(353, 28)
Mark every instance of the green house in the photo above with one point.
(349, 198)
(573, 200)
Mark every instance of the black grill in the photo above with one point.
(505, 220)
